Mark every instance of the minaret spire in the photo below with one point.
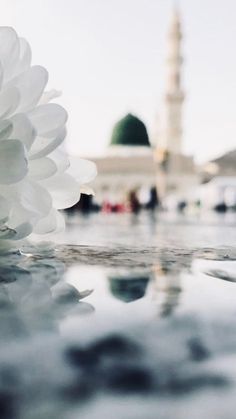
(176, 8)
(174, 97)
(176, 172)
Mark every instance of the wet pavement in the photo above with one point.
(125, 317)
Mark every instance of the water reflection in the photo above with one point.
(34, 296)
(37, 293)
(146, 293)
(224, 270)
(167, 289)
(128, 286)
(161, 283)
(166, 346)
(160, 330)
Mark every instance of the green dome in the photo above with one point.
(130, 131)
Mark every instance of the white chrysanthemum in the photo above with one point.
(34, 172)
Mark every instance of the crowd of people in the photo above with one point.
(132, 204)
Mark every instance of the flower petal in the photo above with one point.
(6, 128)
(31, 84)
(42, 168)
(23, 130)
(64, 190)
(1, 74)
(48, 119)
(25, 56)
(9, 50)
(61, 160)
(9, 101)
(13, 164)
(83, 170)
(4, 209)
(28, 196)
(48, 96)
(44, 146)
(22, 230)
(46, 224)
(53, 223)
(34, 198)
(21, 221)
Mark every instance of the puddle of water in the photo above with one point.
(183, 320)
(81, 340)
(207, 288)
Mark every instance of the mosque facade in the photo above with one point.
(131, 163)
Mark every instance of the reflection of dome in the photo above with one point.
(130, 131)
(128, 289)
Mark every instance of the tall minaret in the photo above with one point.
(171, 137)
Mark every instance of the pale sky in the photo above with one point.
(107, 57)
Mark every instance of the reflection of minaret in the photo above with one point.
(167, 288)
(171, 139)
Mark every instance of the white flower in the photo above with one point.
(35, 179)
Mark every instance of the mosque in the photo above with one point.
(131, 163)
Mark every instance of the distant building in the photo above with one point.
(130, 163)
(224, 165)
(219, 182)
(219, 193)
